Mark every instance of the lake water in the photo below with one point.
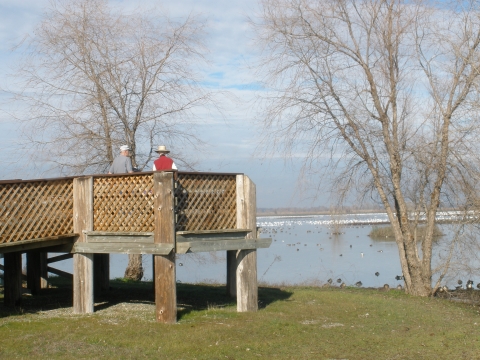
(304, 251)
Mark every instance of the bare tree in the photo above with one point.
(386, 93)
(94, 79)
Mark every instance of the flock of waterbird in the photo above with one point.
(273, 231)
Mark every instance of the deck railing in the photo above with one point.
(44, 208)
(205, 202)
(162, 214)
(123, 203)
(35, 209)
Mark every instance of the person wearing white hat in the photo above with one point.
(122, 163)
(163, 162)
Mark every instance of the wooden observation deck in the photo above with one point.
(90, 217)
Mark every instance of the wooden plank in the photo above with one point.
(43, 270)
(83, 283)
(24, 277)
(60, 272)
(18, 181)
(208, 238)
(231, 273)
(218, 231)
(101, 272)
(222, 244)
(59, 258)
(32, 244)
(12, 279)
(182, 248)
(122, 248)
(82, 263)
(65, 248)
(117, 233)
(121, 238)
(33, 272)
(232, 236)
(164, 233)
(247, 286)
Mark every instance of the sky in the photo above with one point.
(232, 139)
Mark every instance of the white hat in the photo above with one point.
(162, 149)
(124, 148)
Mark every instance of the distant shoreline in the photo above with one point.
(307, 213)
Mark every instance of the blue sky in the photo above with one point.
(232, 138)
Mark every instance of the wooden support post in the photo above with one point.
(247, 286)
(101, 272)
(33, 271)
(165, 273)
(12, 279)
(232, 273)
(43, 270)
(82, 263)
(153, 273)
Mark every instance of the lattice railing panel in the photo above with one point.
(36, 209)
(206, 202)
(123, 203)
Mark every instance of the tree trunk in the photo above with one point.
(134, 270)
(417, 276)
(420, 284)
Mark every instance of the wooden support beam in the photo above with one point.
(222, 244)
(82, 263)
(247, 286)
(35, 244)
(164, 233)
(13, 279)
(34, 271)
(43, 270)
(122, 248)
(204, 234)
(232, 273)
(83, 283)
(59, 258)
(60, 273)
(119, 237)
(24, 277)
(101, 272)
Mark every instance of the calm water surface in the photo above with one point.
(303, 251)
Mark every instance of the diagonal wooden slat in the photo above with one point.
(205, 202)
(123, 203)
(36, 209)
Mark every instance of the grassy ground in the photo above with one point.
(292, 323)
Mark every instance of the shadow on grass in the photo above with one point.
(190, 297)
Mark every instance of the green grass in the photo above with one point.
(382, 232)
(292, 323)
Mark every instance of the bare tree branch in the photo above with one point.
(387, 89)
